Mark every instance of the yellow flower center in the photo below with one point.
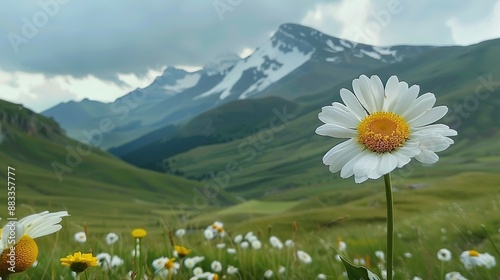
(383, 132)
(473, 253)
(20, 257)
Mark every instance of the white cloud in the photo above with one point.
(352, 15)
(39, 92)
(466, 33)
(189, 68)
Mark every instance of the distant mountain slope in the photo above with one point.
(234, 120)
(55, 172)
(296, 61)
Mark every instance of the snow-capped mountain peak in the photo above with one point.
(267, 65)
(221, 64)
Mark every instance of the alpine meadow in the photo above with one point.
(268, 166)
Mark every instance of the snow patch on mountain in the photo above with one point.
(374, 55)
(385, 50)
(347, 44)
(286, 63)
(189, 81)
(221, 64)
(332, 47)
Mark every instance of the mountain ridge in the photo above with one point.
(291, 57)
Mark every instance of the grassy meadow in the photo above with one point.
(458, 213)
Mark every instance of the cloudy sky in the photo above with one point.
(53, 51)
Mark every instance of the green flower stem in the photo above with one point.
(179, 272)
(390, 224)
(491, 241)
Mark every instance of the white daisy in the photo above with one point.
(197, 271)
(159, 263)
(281, 269)
(304, 257)
(216, 266)
(180, 232)
(454, 276)
(103, 259)
(80, 237)
(209, 234)
(116, 261)
(380, 255)
(244, 245)
(231, 270)
(342, 246)
(275, 242)
(111, 238)
(386, 127)
(473, 258)
(23, 233)
(268, 274)
(256, 244)
(238, 238)
(189, 263)
(444, 255)
(289, 243)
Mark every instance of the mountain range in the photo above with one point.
(296, 61)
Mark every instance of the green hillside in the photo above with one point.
(223, 124)
(54, 172)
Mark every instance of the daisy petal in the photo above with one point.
(406, 100)
(387, 163)
(367, 92)
(378, 92)
(336, 131)
(342, 158)
(329, 156)
(391, 92)
(352, 103)
(435, 143)
(420, 106)
(362, 90)
(430, 116)
(434, 128)
(427, 156)
(401, 158)
(366, 165)
(347, 170)
(360, 179)
(338, 115)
